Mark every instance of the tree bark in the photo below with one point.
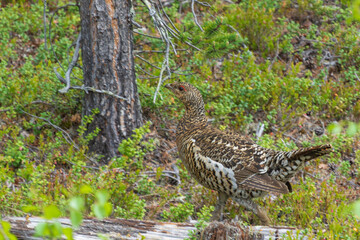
(108, 64)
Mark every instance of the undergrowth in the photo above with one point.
(289, 66)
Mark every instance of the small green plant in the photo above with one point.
(134, 209)
(145, 185)
(203, 218)
(84, 140)
(134, 149)
(179, 213)
(51, 228)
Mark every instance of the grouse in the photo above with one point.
(231, 164)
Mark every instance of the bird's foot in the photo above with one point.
(265, 220)
(216, 215)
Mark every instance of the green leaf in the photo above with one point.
(68, 232)
(352, 129)
(356, 9)
(108, 209)
(56, 229)
(29, 208)
(99, 211)
(335, 128)
(40, 229)
(85, 189)
(77, 203)
(102, 196)
(51, 212)
(76, 218)
(6, 226)
(356, 209)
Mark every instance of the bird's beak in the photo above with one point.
(168, 86)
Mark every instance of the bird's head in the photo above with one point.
(188, 95)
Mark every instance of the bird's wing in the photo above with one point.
(241, 156)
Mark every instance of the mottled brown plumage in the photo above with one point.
(229, 163)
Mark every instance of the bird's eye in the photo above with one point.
(181, 88)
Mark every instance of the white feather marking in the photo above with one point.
(236, 148)
(193, 140)
(263, 162)
(264, 170)
(212, 165)
(302, 158)
(297, 162)
(248, 178)
(220, 142)
(228, 145)
(285, 162)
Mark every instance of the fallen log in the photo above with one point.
(24, 228)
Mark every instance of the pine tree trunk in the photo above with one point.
(108, 64)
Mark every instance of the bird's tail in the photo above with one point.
(306, 154)
(284, 165)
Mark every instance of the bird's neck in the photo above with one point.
(195, 113)
(194, 120)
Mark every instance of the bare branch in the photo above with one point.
(195, 17)
(146, 35)
(275, 57)
(91, 89)
(155, 51)
(166, 33)
(146, 71)
(144, 60)
(50, 24)
(167, 17)
(259, 130)
(71, 65)
(170, 174)
(357, 77)
(65, 135)
(136, 24)
(203, 3)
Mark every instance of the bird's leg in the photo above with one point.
(252, 206)
(219, 207)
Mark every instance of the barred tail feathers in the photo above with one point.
(307, 154)
(284, 165)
